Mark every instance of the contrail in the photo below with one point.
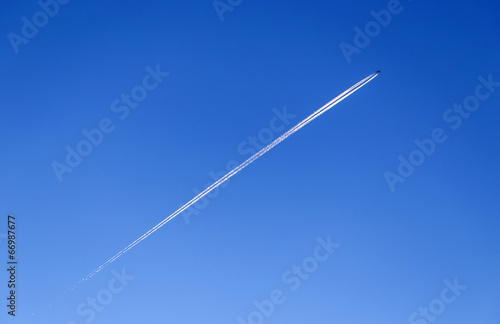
(217, 183)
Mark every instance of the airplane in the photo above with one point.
(378, 71)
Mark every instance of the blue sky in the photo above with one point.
(403, 241)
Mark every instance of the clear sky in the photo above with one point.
(383, 210)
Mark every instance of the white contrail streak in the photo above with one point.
(280, 139)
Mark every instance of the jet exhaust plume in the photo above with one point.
(233, 172)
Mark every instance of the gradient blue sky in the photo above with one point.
(226, 77)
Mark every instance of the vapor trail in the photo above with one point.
(217, 183)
